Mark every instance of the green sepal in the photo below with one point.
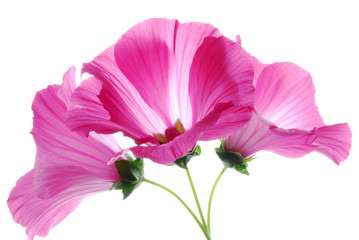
(183, 161)
(132, 175)
(233, 160)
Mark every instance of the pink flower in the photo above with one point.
(68, 167)
(286, 120)
(166, 85)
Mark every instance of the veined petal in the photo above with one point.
(258, 68)
(169, 152)
(259, 134)
(334, 141)
(40, 216)
(68, 167)
(188, 38)
(120, 100)
(143, 54)
(285, 96)
(87, 113)
(230, 121)
(68, 85)
(221, 72)
(156, 56)
(58, 145)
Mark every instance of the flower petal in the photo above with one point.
(188, 38)
(258, 68)
(229, 122)
(285, 96)
(68, 167)
(169, 152)
(221, 72)
(121, 102)
(58, 145)
(156, 56)
(40, 216)
(143, 54)
(87, 113)
(68, 85)
(334, 141)
(259, 134)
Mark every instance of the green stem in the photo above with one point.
(196, 198)
(210, 199)
(204, 230)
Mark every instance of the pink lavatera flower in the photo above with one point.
(68, 167)
(286, 120)
(166, 85)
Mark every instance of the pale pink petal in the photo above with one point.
(258, 68)
(221, 72)
(120, 100)
(107, 140)
(188, 38)
(55, 179)
(40, 216)
(334, 141)
(156, 56)
(169, 152)
(285, 96)
(143, 54)
(259, 134)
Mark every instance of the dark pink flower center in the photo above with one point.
(171, 133)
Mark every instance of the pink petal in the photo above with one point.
(121, 102)
(285, 96)
(156, 56)
(334, 141)
(169, 152)
(143, 54)
(258, 68)
(257, 65)
(56, 144)
(87, 113)
(68, 85)
(40, 216)
(259, 134)
(229, 122)
(68, 167)
(221, 72)
(188, 38)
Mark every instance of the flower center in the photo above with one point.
(171, 133)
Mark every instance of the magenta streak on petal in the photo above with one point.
(86, 112)
(120, 99)
(189, 37)
(156, 56)
(221, 72)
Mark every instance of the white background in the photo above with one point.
(309, 198)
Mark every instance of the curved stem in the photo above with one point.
(196, 198)
(210, 199)
(204, 230)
